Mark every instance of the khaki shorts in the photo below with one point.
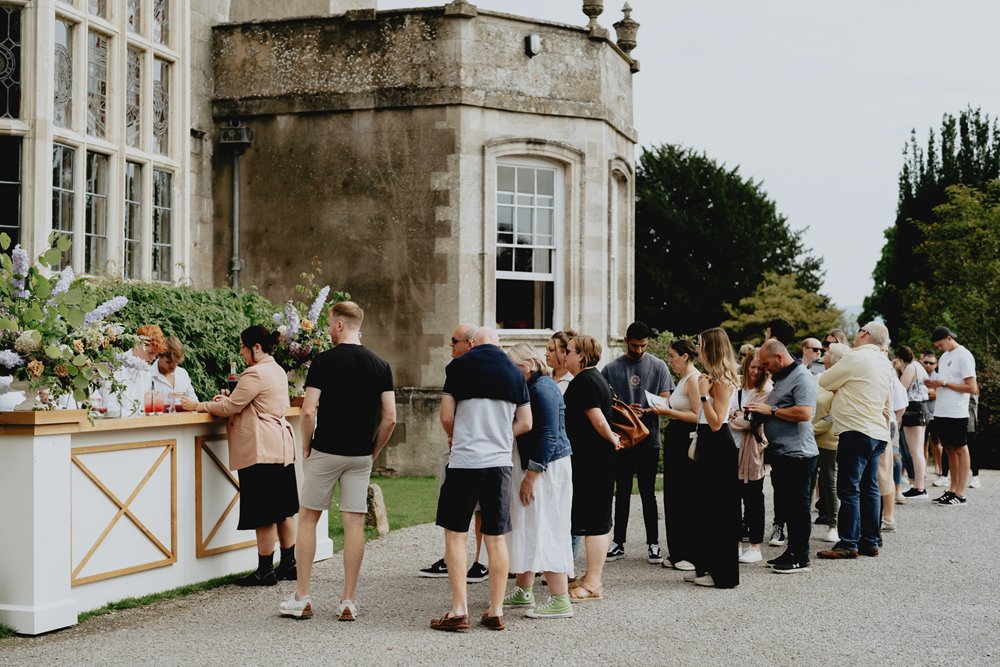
(322, 471)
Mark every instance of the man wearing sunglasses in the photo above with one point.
(812, 352)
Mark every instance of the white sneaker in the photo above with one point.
(690, 577)
(683, 565)
(900, 499)
(832, 536)
(348, 611)
(942, 481)
(974, 482)
(296, 608)
(888, 525)
(705, 580)
(751, 555)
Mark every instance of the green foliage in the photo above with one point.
(780, 296)
(967, 153)
(705, 235)
(207, 322)
(6, 630)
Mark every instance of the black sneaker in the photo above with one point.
(944, 498)
(478, 572)
(435, 571)
(791, 566)
(953, 501)
(777, 536)
(653, 554)
(783, 558)
(915, 494)
(255, 578)
(289, 573)
(616, 552)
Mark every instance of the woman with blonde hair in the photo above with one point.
(542, 481)
(749, 434)
(588, 425)
(716, 563)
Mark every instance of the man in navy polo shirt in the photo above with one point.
(484, 406)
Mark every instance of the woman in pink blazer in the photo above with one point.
(262, 452)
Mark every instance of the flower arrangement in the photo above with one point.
(302, 326)
(51, 336)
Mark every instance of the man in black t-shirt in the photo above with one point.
(350, 389)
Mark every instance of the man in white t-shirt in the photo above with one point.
(955, 383)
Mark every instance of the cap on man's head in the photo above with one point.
(940, 333)
(638, 331)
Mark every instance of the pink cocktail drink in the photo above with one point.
(147, 404)
(157, 402)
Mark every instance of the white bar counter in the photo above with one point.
(97, 512)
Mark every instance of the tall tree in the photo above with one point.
(780, 296)
(968, 153)
(705, 235)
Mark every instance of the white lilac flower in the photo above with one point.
(283, 332)
(65, 278)
(25, 344)
(105, 309)
(317, 307)
(20, 268)
(292, 318)
(131, 363)
(10, 359)
(277, 318)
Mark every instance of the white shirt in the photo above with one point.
(899, 398)
(953, 368)
(182, 382)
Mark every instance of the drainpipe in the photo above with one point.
(239, 137)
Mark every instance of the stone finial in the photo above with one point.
(460, 8)
(627, 29)
(593, 9)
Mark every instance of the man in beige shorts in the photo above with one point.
(349, 389)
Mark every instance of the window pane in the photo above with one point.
(505, 258)
(62, 108)
(97, 84)
(10, 62)
(161, 107)
(133, 98)
(161, 21)
(543, 222)
(62, 196)
(95, 242)
(546, 182)
(526, 180)
(505, 179)
(505, 219)
(522, 260)
(133, 219)
(505, 198)
(524, 304)
(133, 15)
(98, 8)
(10, 188)
(543, 261)
(162, 226)
(524, 225)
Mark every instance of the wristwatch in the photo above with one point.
(774, 409)
(704, 399)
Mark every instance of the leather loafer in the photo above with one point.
(491, 622)
(870, 551)
(451, 623)
(837, 553)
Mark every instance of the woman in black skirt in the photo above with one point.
(716, 459)
(262, 452)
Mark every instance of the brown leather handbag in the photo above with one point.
(626, 421)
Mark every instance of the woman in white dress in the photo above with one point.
(541, 505)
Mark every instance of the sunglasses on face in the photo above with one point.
(814, 349)
(456, 341)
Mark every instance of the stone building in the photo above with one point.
(447, 164)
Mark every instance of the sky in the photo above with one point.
(813, 99)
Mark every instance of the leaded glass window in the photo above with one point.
(97, 84)
(161, 21)
(162, 225)
(62, 96)
(133, 220)
(133, 15)
(98, 8)
(133, 98)
(62, 194)
(10, 62)
(525, 246)
(96, 233)
(161, 107)
(10, 188)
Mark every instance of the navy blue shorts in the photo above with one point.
(464, 487)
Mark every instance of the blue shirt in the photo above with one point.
(546, 441)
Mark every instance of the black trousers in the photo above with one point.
(752, 498)
(791, 478)
(639, 461)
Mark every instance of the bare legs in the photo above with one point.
(266, 536)
(305, 550)
(558, 581)
(915, 441)
(959, 464)
(596, 547)
(456, 559)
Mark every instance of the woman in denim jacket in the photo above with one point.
(542, 502)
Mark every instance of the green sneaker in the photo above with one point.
(521, 597)
(557, 606)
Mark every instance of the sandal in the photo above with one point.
(450, 623)
(584, 593)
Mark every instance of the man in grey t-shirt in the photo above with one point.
(631, 376)
(791, 449)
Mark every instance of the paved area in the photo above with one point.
(931, 598)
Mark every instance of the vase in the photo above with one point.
(19, 397)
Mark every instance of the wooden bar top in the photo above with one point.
(57, 422)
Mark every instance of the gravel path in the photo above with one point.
(931, 598)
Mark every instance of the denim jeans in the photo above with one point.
(857, 488)
(792, 481)
(827, 503)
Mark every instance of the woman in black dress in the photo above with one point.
(716, 459)
(588, 425)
